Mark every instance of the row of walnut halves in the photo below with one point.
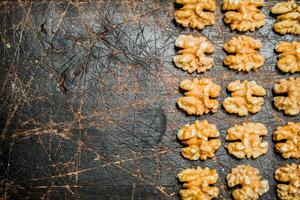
(241, 15)
(246, 96)
(197, 183)
(243, 50)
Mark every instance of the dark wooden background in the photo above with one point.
(88, 100)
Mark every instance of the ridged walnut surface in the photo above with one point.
(193, 56)
(289, 56)
(288, 137)
(246, 96)
(196, 13)
(197, 99)
(288, 19)
(249, 136)
(290, 101)
(244, 15)
(250, 181)
(246, 56)
(290, 175)
(201, 139)
(196, 184)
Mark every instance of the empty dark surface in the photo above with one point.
(88, 100)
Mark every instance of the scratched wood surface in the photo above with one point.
(88, 100)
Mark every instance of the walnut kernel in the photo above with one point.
(197, 99)
(196, 13)
(244, 15)
(250, 142)
(288, 20)
(198, 137)
(246, 53)
(196, 184)
(289, 57)
(245, 97)
(290, 173)
(290, 147)
(193, 55)
(290, 104)
(250, 180)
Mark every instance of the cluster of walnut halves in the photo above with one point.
(198, 96)
(289, 56)
(246, 53)
(201, 139)
(288, 20)
(193, 55)
(196, 13)
(288, 138)
(251, 184)
(244, 15)
(290, 101)
(249, 136)
(245, 97)
(196, 184)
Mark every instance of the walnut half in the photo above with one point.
(193, 55)
(289, 57)
(250, 142)
(289, 140)
(201, 139)
(251, 184)
(246, 53)
(246, 97)
(196, 184)
(288, 20)
(244, 15)
(290, 104)
(196, 13)
(290, 174)
(197, 99)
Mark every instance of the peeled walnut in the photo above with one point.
(244, 15)
(290, 103)
(246, 53)
(251, 184)
(196, 184)
(290, 174)
(289, 137)
(288, 20)
(197, 98)
(249, 136)
(289, 57)
(196, 13)
(193, 56)
(245, 97)
(198, 137)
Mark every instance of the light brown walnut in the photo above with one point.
(246, 53)
(193, 55)
(196, 184)
(246, 97)
(197, 99)
(288, 19)
(244, 15)
(289, 174)
(201, 139)
(289, 57)
(196, 13)
(247, 140)
(289, 140)
(290, 102)
(250, 181)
